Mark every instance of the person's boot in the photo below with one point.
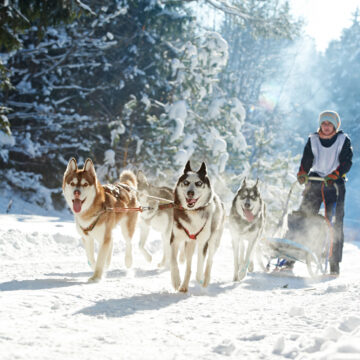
(334, 268)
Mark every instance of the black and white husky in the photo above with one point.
(159, 219)
(199, 217)
(247, 222)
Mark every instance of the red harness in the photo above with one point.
(191, 236)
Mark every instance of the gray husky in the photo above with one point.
(199, 217)
(247, 222)
(160, 217)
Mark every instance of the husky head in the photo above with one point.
(248, 201)
(80, 186)
(193, 189)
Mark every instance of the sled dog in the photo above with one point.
(160, 219)
(247, 222)
(93, 206)
(199, 217)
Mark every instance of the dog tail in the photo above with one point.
(129, 178)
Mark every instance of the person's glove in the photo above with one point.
(302, 177)
(329, 179)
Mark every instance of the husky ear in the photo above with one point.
(243, 183)
(202, 171)
(256, 184)
(72, 165)
(187, 167)
(89, 166)
(141, 178)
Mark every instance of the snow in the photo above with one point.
(181, 157)
(178, 129)
(178, 113)
(5, 140)
(215, 108)
(109, 157)
(49, 311)
(178, 110)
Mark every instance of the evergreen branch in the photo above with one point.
(63, 58)
(85, 7)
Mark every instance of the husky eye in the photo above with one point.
(85, 184)
(198, 183)
(253, 195)
(72, 184)
(186, 183)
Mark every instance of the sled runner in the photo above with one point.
(309, 240)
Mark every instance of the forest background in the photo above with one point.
(149, 84)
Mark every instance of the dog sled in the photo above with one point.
(309, 240)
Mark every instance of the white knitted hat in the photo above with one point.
(330, 116)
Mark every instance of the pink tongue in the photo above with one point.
(249, 215)
(77, 205)
(191, 201)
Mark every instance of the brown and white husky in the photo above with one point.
(199, 217)
(93, 206)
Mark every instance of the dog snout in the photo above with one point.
(247, 205)
(77, 193)
(190, 193)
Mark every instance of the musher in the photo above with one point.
(327, 154)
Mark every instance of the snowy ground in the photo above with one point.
(48, 311)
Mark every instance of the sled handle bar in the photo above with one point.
(314, 178)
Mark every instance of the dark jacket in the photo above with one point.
(345, 157)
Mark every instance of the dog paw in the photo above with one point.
(94, 279)
(183, 289)
(236, 277)
(206, 282)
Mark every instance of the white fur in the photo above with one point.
(159, 220)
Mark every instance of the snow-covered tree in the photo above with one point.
(74, 87)
(204, 120)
